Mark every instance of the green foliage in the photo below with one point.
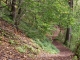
(27, 48)
(75, 28)
(12, 42)
(78, 51)
(75, 39)
(4, 10)
(32, 50)
(61, 36)
(38, 18)
(75, 58)
(21, 49)
(47, 46)
(3, 3)
(8, 19)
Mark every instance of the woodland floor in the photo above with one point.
(8, 52)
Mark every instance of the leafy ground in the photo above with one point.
(13, 45)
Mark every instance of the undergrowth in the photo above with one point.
(27, 48)
(38, 36)
(14, 41)
(47, 45)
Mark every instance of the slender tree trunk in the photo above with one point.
(0, 3)
(14, 14)
(71, 3)
(18, 14)
(68, 31)
(13, 10)
(68, 35)
(20, 2)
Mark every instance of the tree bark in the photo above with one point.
(18, 14)
(71, 3)
(68, 35)
(13, 10)
(19, 11)
(0, 3)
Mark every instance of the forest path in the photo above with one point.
(65, 53)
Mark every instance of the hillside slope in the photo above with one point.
(16, 46)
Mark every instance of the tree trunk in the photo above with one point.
(68, 35)
(13, 10)
(18, 14)
(14, 14)
(0, 3)
(19, 11)
(71, 3)
(68, 31)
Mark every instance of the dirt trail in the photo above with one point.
(65, 53)
(9, 53)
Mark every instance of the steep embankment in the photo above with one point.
(15, 45)
(12, 43)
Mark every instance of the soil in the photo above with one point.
(8, 52)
